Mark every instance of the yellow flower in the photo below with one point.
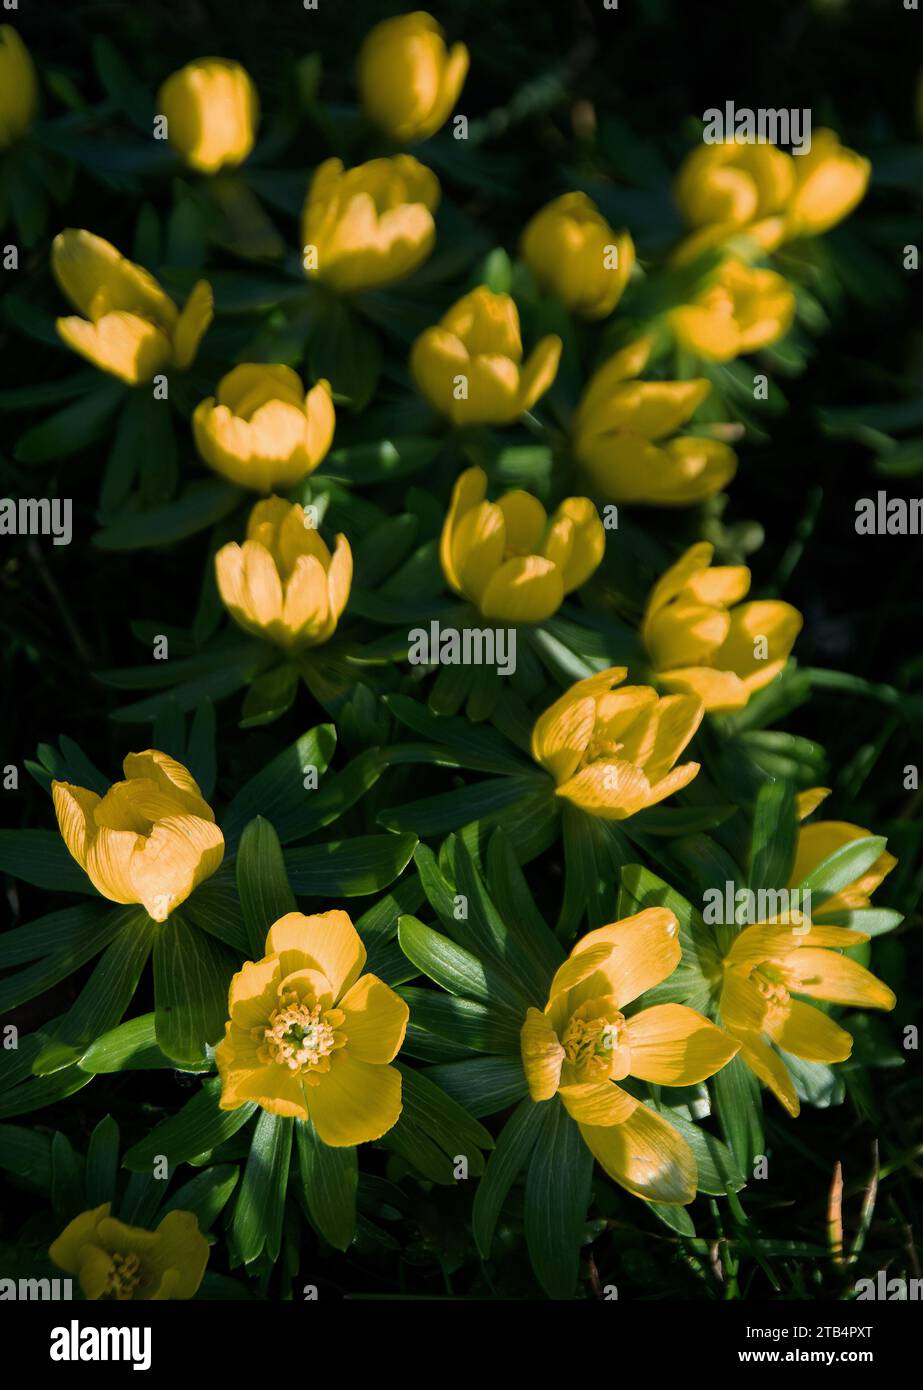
(620, 436)
(115, 1261)
(611, 752)
(408, 81)
(765, 966)
(696, 645)
(818, 841)
(574, 253)
(829, 181)
(283, 584)
(18, 87)
(151, 839)
(582, 1045)
(263, 431)
(731, 187)
(310, 1036)
(508, 559)
(367, 226)
(741, 309)
(212, 110)
(470, 368)
(130, 327)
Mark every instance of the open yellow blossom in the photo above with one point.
(283, 584)
(621, 436)
(151, 839)
(574, 253)
(18, 87)
(212, 110)
(263, 431)
(582, 1045)
(310, 1036)
(733, 187)
(830, 181)
(509, 559)
(741, 309)
(702, 640)
(818, 841)
(114, 1261)
(408, 80)
(765, 967)
(370, 225)
(130, 327)
(470, 368)
(612, 752)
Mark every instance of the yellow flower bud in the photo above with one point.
(212, 111)
(829, 181)
(731, 187)
(470, 368)
(283, 584)
(112, 1260)
(369, 225)
(816, 842)
(612, 752)
(310, 1036)
(703, 641)
(408, 80)
(574, 253)
(18, 87)
(508, 559)
(262, 431)
(151, 839)
(621, 431)
(130, 328)
(741, 309)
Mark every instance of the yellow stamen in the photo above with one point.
(123, 1278)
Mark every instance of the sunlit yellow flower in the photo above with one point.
(115, 1261)
(151, 839)
(212, 110)
(582, 1045)
(130, 327)
(829, 181)
(741, 309)
(696, 645)
(731, 187)
(818, 841)
(310, 1036)
(408, 80)
(263, 431)
(574, 253)
(509, 559)
(621, 431)
(769, 963)
(612, 752)
(283, 584)
(369, 225)
(18, 87)
(470, 368)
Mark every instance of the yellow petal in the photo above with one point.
(835, 979)
(524, 520)
(768, 1066)
(526, 589)
(610, 789)
(810, 1034)
(542, 1055)
(672, 1045)
(597, 1103)
(120, 343)
(645, 950)
(646, 1156)
(76, 1236)
(193, 323)
(807, 802)
(327, 941)
(354, 1102)
(539, 371)
(685, 634)
(765, 625)
(110, 862)
(181, 1251)
(576, 541)
(175, 780)
(253, 993)
(376, 1020)
(692, 562)
(721, 692)
(74, 807)
(85, 265)
(179, 854)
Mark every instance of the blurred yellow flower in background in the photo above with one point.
(408, 80)
(818, 841)
(263, 431)
(741, 309)
(310, 1036)
(612, 752)
(731, 187)
(470, 368)
(508, 558)
(130, 328)
(151, 839)
(620, 434)
(574, 253)
(18, 87)
(829, 182)
(369, 225)
(283, 584)
(582, 1045)
(702, 640)
(212, 111)
(114, 1261)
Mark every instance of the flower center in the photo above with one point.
(123, 1278)
(770, 984)
(300, 1035)
(592, 1040)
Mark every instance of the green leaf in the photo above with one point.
(27, 1154)
(265, 892)
(462, 1021)
(447, 811)
(206, 1195)
(192, 972)
(72, 428)
(474, 746)
(434, 1132)
(772, 847)
(68, 1186)
(133, 1047)
(718, 1169)
(257, 1221)
(329, 1178)
(269, 696)
(196, 1129)
(199, 506)
(558, 1184)
(842, 867)
(102, 1162)
(447, 964)
(380, 461)
(510, 892)
(278, 792)
(48, 934)
(510, 1156)
(740, 1111)
(483, 1085)
(345, 353)
(40, 857)
(215, 908)
(76, 945)
(349, 868)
